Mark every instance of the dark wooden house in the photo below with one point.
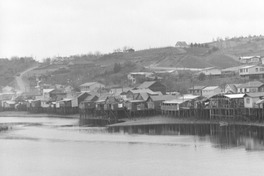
(155, 86)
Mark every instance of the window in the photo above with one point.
(248, 100)
(256, 69)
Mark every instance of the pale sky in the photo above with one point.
(48, 28)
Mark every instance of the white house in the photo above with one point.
(91, 86)
(211, 91)
(250, 59)
(251, 71)
(132, 76)
(211, 71)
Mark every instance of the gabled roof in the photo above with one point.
(251, 84)
(48, 90)
(144, 95)
(234, 96)
(256, 94)
(146, 84)
(150, 92)
(196, 88)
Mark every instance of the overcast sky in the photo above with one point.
(47, 28)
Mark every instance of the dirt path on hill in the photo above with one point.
(22, 84)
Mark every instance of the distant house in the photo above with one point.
(251, 87)
(91, 86)
(231, 88)
(250, 59)
(211, 91)
(252, 71)
(211, 71)
(182, 44)
(155, 86)
(134, 76)
(80, 64)
(196, 90)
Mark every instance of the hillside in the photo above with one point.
(9, 69)
(221, 54)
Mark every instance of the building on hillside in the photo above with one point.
(155, 86)
(196, 90)
(211, 71)
(231, 70)
(231, 88)
(181, 44)
(134, 76)
(251, 87)
(91, 86)
(211, 91)
(252, 71)
(250, 59)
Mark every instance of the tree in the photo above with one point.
(201, 77)
(117, 67)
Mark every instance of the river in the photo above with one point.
(60, 147)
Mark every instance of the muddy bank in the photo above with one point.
(159, 120)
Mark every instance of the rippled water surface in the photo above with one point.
(52, 146)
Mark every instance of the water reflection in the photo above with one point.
(250, 137)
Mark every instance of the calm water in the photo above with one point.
(50, 146)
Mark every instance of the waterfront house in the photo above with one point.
(227, 101)
(231, 88)
(135, 93)
(88, 102)
(211, 91)
(91, 86)
(113, 103)
(196, 90)
(252, 99)
(8, 105)
(154, 102)
(155, 86)
(186, 101)
(135, 105)
(251, 87)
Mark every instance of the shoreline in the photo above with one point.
(26, 114)
(159, 120)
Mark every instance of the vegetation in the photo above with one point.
(9, 68)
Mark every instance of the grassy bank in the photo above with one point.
(26, 114)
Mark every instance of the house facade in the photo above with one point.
(212, 71)
(196, 90)
(251, 87)
(91, 86)
(252, 71)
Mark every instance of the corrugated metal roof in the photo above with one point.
(235, 95)
(146, 84)
(211, 87)
(257, 94)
